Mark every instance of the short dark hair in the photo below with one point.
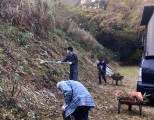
(101, 59)
(70, 48)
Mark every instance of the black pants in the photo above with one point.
(74, 72)
(74, 76)
(81, 113)
(101, 75)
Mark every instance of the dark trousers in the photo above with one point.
(101, 75)
(81, 113)
(74, 76)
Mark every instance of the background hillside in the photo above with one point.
(117, 26)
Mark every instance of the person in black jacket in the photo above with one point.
(73, 61)
(102, 70)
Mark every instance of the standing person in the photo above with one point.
(102, 70)
(73, 61)
(78, 100)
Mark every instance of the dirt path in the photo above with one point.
(106, 103)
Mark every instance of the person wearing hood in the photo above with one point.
(72, 58)
(78, 101)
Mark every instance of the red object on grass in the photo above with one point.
(138, 94)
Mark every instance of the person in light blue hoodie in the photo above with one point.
(78, 101)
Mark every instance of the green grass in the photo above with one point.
(131, 71)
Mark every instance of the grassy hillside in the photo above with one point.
(25, 84)
(43, 29)
(32, 30)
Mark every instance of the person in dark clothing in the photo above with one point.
(81, 113)
(102, 71)
(73, 61)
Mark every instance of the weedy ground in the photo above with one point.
(105, 99)
(106, 103)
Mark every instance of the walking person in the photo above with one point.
(73, 61)
(102, 71)
(78, 101)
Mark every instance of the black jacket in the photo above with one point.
(72, 57)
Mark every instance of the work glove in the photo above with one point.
(64, 107)
(70, 63)
(101, 67)
(59, 62)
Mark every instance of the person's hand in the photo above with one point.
(59, 62)
(101, 67)
(64, 107)
(70, 63)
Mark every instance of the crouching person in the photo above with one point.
(78, 100)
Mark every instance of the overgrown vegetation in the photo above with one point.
(32, 30)
(117, 28)
(42, 29)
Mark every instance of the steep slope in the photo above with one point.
(24, 81)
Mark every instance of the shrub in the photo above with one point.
(136, 57)
(88, 42)
(58, 32)
(81, 36)
(36, 15)
(23, 37)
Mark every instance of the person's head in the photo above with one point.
(59, 84)
(69, 49)
(101, 60)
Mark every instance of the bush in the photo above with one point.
(88, 42)
(116, 30)
(36, 15)
(23, 37)
(136, 57)
(81, 36)
(58, 32)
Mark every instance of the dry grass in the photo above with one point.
(88, 43)
(81, 35)
(30, 14)
(131, 71)
(106, 103)
(104, 96)
(35, 15)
